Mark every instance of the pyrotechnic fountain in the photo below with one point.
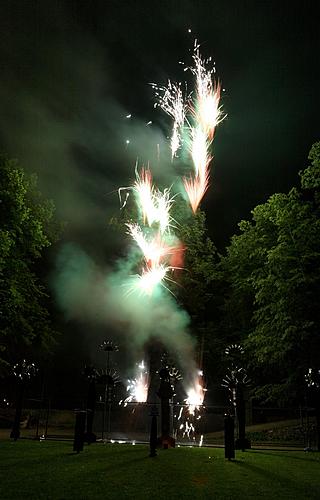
(195, 117)
(138, 387)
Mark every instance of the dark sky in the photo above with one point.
(72, 70)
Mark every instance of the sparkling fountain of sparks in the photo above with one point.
(195, 395)
(200, 115)
(138, 387)
(154, 204)
(190, 413)
(197, 185)
(156, 241)
(206, 114)
(154, 250)
(208, 92)
(171, 100)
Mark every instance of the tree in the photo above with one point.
(273, 269)
(196, 282)
(27, 228)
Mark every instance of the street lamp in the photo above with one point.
(110, 379)
(235, 381)
(23, 371)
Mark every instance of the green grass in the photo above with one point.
(50, 470)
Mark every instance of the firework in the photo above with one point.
(153, 234)
(207, 111)
(195, 395)
(198, 116)
(154, 205)
(206, 114)
(190, 412)
(171, 100)
(151, 277)
(138, 387)
(197, 185)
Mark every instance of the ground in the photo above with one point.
(50, 470)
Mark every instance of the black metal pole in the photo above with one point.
(165, 393)
(91, 400)
(229, 437)
(79, 429)
(241, 443)
(153, 432)
(15, 433)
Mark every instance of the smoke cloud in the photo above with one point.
(86, 292)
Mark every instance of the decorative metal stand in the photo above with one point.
(236, 380)
(91, 374)
(23, 372)
(312, 378)
(153, 432)
(165, 393)
(229, 437)
(110, 379)
(79, 429)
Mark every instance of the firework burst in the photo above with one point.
(153, 235)
(171, 100)
(138, 387)
(198, 114)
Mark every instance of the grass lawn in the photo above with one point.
(50, 470)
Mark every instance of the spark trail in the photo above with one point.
(153, 234)
(198, 116)
(138, 387)
(171, 100)
(190, 412)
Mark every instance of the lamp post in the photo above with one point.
(23, 372)
(110, 379)
(235, 381)
(312, 378)
(165, 393)
(91, 375)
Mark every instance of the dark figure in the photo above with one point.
(229, 437)
(165, 393)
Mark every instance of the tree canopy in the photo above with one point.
(273, 271)
(27, 228)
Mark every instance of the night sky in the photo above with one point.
(71, 71)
